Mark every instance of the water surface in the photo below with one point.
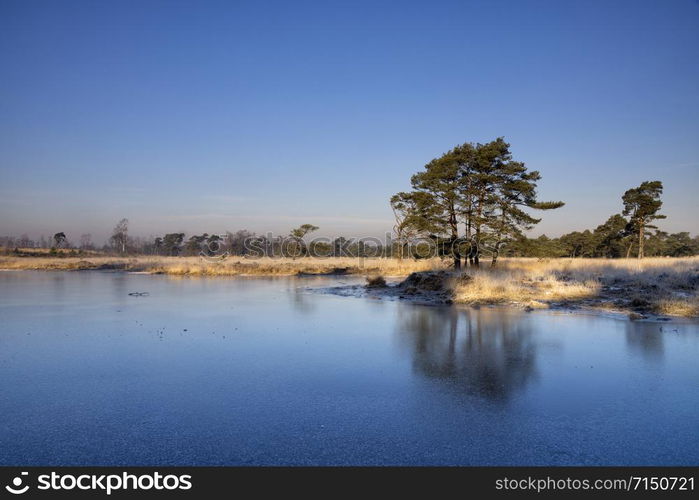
(263, 371)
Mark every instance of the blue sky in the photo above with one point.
(213, 116)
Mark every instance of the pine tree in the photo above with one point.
(641, 205)
(436, 198)
(515, 191)
(478, 185)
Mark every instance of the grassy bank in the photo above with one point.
(233, 266)
(656, 285)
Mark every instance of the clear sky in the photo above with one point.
(209, 116)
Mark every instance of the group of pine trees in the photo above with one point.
(473, 197)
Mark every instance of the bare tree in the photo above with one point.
(120, 235)
(86, 241)
(25, 242)
(403, 205)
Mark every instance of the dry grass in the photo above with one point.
(679, 306)
(660, 285)
(233, 266)
(489, 287)
(375, 282)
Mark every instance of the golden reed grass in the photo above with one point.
(232, 266)
(662, 285)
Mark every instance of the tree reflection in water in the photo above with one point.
(647, 338)
(486, 352)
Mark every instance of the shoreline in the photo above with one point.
(652, 288)
(603, 307)
(596, 308)
(600, 308)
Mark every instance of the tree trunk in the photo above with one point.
(496, 250)
(455, 251)
(479, 211)
(471, 252)
(477, 253)
(640, 241)
(495, 257)
(455, 239)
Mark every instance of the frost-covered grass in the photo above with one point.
(661, 285)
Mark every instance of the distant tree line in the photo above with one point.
(469, 202)
(628, 234)
(608, 240)
(238, 243)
